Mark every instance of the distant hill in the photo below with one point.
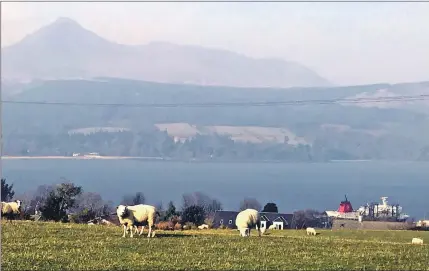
(64, 49)
(359, 131)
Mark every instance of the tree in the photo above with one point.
(89, 206)
(138, 198)
(7, 192)
(306, 218)
(170, 212)
(270, 208)
(250, 203)
(194, 214)
(59, 201)
(200, 199)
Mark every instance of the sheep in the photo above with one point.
(248, 219)
(203, 226)
(132, 216)
(272, 227)
(311, 231)
(417, 241)
(10, 209)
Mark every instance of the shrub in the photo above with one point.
(209, 222)
(189, 226)
(194, 214)
(178, 227)
(165, 226)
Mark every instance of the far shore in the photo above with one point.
(6, 157)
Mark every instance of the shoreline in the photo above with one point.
(78, 157)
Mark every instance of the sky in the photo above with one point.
(347, 43)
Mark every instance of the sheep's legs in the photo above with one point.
(125, 230)
(131, 231)
(141, 231)
(150, 231)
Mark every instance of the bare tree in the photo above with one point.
(136, 199)
(200, 199)
(250, 203)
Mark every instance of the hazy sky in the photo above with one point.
(348, 43)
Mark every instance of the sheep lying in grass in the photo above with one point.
(248, 219)
(131, 216)
(10, 209)
(417, 241)
(311, 231)
(203, 226)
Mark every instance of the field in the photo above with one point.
(56, 246)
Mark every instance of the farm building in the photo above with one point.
(227, 218)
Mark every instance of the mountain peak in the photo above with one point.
(66, 20)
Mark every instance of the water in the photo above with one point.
(292, 187)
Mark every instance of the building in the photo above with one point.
(227, 219)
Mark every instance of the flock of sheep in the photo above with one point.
(131, 217)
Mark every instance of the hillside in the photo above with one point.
(64, 49)
(58, 246)
(360, 131)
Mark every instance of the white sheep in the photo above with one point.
(311, 231)
(272, 227)
(248, 219)
(417, 241)
(10, 209)
(203, 226)
(132, 216)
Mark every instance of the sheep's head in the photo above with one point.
(18, 202)
(122, 211)
(244, 232)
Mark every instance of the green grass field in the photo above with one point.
(56, 246)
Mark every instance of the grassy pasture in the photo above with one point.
(56, 246)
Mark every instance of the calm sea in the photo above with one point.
(292, 186)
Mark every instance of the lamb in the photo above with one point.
(417, 241)
(248, 219)
(10, 209)
(311, 231)
(132, 216)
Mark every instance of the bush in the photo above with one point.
(209, 222)
(189, 226)
(178, 227)
(194, 214)
(165, 226)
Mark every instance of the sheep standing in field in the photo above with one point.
(131, 216)
(10, 209)
(311, 231)
(417, 241)
(248, 219)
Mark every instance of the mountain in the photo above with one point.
(64, 49)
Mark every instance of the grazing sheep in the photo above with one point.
(272, 227)
(248, 219)
(10, 209)
(203, 226)
(417, 241)
(311, 231)
(132, 216)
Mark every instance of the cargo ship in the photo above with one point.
(371, 211)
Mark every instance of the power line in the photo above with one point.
(421, 97)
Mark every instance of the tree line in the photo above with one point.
(67, 202)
